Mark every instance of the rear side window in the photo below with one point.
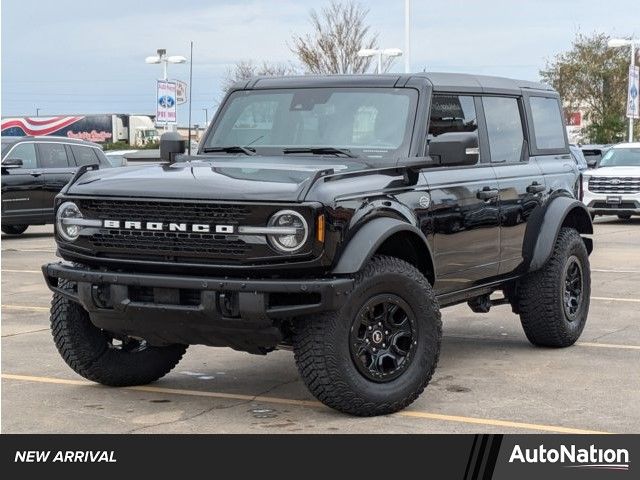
(53, 155)
(25, 152)
(84, 155)
(504, 128)
(547, 123)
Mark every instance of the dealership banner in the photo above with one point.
(633, 96)
(166, 103)
(464, 457)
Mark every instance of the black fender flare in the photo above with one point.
(366, 241)
(543, 229)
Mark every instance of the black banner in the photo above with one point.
(465, 457)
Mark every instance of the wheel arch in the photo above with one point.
(388, 236)
(543, 229)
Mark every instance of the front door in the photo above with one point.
(23, 187)
(58, 167)
(464, 203)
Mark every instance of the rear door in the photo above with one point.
(55, 160)
(23, 188)
(519, 178)
(464, 202)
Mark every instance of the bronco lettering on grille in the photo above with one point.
(168, 227)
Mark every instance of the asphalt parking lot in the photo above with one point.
(489, 379)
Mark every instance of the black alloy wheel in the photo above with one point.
(572, 281)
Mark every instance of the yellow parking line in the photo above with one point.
(5, 270)
(25, 307)
(613, 299)
(314, 404)
(608, 345)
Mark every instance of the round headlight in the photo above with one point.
(296, 227)
(68, 230)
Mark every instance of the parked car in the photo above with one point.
(34, 170)
(593, 153)
(333, 216)
(614, 187)
(578, 157)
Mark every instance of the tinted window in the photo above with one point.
(621, 157)
(452, 113)
(547, 123)
(84, 155)
(504, 127)
(25, 152)
(53, 155)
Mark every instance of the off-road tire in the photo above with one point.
(624, 216)
(323, 355)
(87, 350)
(14, 229)
(541, 296)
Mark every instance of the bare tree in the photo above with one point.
(338, 32)
(246, 69)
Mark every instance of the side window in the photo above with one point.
(102, 158)
(452, 113)
(53, 155)
(504, 128)
(25, 152)
(547, 123)
(84, 155)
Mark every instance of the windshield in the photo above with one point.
(367, 122)
(621, 157)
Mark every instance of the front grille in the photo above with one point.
(173, 246)
(614, 206)
(619, 185)
(191, 212)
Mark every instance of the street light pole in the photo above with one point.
(370, 52)
(206, 117)
(407, 35)
(623, 42)
(161, 57)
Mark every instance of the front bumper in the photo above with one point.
(600, 203)
(164, 309)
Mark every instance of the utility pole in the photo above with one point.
(37, 112)
(633, 64)
(206, 117)
(407, 36)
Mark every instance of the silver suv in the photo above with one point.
(613, 188)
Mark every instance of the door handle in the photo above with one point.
(35, 174)
(535, 187)
(487, 193)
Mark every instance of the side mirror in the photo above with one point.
(171, 145)
(12, 163)
(455, 148)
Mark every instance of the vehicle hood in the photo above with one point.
(615, 172)
(284, 179)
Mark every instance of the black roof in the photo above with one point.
(47, 138)
(458, 82)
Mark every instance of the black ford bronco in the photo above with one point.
(334, 216)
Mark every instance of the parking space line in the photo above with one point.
(603, 270)
(608, 345)
(25, 332)
(5, 270)
(313, 404)
(614, 299)
(27, 308)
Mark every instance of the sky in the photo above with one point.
(67, 56)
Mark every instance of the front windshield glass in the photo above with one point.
(621, 157)
(367, 122)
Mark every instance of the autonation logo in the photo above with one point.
(573, 457)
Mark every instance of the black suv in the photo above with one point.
(335, 216)
(34, 170)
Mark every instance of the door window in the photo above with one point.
(84, 155)
(53, 155)
(452, 113)
(547, 123)
(25, 152)
(504, 127)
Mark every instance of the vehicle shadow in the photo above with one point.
(27, 235)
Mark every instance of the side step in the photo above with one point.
(483, 303)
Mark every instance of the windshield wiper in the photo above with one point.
(231, 149)
(320, 151)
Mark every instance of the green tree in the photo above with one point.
(593, 77)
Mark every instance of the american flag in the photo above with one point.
(38, 125)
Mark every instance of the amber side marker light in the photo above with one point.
(320, 228)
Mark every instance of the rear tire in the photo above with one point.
(93, 353)
(624, 216)
(554, 301)
(377, 353)
(14, 229)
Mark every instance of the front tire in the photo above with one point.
(14, 229)
(554, 301)
(99, 356)
(377, 353)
